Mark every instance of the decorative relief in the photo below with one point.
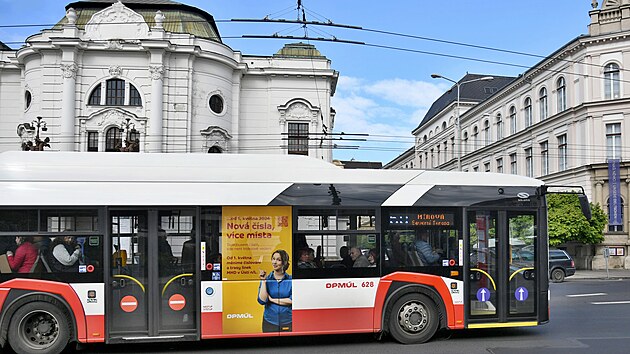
(115, 70)
(216, 136)
(114, 44)
(156, 71)
(69, 70)
(298, 109)
(129, 24)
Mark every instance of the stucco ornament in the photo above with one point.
(116, 22)
(159, 19)
(69, 70)
(298, 111)
(156, 71)
(216, 136)
(115, 70)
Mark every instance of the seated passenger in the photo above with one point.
(360, 261)
(345, 257)
(372, 257)
(25, 255)
(65, 254)
(304, 259)
(427, 255)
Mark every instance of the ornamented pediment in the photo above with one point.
(216, 137)
(298, 110)
(116, 22)
(112, 117)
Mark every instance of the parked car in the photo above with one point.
(561, 265)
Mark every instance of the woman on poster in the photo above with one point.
(275, 293)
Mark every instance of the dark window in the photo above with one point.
(134, 96)
(18, 220)
(216, 104)
(113, 139)
(115, 92)
(27, 99)
(298, 138)
(95, 96)
(92, 141)
(215, 150)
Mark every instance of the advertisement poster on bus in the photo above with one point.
(256, 247)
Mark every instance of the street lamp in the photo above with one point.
(458, 130)
(27, 129)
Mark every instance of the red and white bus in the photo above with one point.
(168, 247)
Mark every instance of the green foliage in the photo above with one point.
(567, 223)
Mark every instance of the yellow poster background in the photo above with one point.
(250, 235)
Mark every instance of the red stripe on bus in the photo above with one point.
(95, 328)
(63, 290)
(379, 302)
(211, 324)
(334, 320)
(433, 281)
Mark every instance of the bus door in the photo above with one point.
(152, 279)
(502, 272)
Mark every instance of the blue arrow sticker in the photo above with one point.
(521, 293)
(483, 294)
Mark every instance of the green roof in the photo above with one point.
(299, 50)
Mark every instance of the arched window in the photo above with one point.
(475, 138)
(115, 94)
(28, 98)
(512, 120)
(424, 139)
(528, 112)
(561, 90)
(486, 132)
(499, 127)
(465, 143)
(95, 96)
(618, 228)
(113, 139)
(542, 103)
(611, 81)
(215, 150)
(443, 125)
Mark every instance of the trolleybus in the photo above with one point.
(126, 248)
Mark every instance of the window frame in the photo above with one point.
(562, 152)
(612, 83)
(297, 141)
(561, 92)
(613, 141)
(543, 103)
(528, 112)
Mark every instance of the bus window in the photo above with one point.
(422, 238)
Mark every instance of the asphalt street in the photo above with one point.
(588, 315)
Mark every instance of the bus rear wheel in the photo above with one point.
(39, 327)
(413, 319)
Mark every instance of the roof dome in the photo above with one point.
(179, 18)
(299, 50)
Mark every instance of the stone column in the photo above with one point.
(599, 193)
(66, 130)
(154, 138)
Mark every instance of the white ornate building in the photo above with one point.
(559, 121)
(155, 75)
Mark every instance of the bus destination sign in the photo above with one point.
(423, 219)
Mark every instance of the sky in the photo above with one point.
(384, 87)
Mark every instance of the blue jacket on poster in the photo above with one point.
(277, 314)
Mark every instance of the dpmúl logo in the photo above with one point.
(239, 315)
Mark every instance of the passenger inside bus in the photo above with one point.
(346, 260)
(359, 260)
(427, 254)
(65, 254)
(25, 255)
(306, 258)
(373, 257)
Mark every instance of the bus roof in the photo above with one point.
(87, 178)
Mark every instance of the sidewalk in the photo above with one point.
(599, 274)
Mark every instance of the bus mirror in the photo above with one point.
(585, 206)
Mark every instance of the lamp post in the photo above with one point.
(25, 131)
(458, 130)
(127, 127)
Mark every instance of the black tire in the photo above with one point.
(557, 275)
(39, 327)
(413, 319)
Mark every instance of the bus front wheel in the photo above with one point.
(39, 327)
(413, 319)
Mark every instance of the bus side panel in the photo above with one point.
(4, 292)
(92, 297)
(65, 291)
(379, 303)
(343, 305)
(211, 309)
(437, 283)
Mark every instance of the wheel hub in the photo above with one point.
(413, 317)
(39, 329)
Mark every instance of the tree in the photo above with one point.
(567, 223)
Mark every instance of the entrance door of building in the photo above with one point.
(501, 268)
(152, 283)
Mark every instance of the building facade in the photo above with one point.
(561, 121)
(155, 76)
